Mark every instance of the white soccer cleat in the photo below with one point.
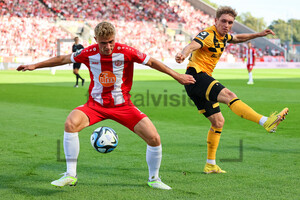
(158, 184)
(250, 82)
(66, 179)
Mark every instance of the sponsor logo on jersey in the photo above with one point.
(107, 79)
(118, 63)
(202, 35)
(78, 52)
(95, 63)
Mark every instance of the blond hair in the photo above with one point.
(226, 10)
(104, 30)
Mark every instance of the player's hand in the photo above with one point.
(267, 32)
(179, 58)
(185, 79)
(26, 67)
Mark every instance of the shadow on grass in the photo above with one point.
(20, 185)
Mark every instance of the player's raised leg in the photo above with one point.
(147, 131)
(75, 122)
(213, 138)
(243, 110)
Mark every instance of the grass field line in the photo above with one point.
(45, 76)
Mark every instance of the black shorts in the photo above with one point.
(204, 92)
(76, 65)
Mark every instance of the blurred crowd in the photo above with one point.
(24, 9)
(131, 10)
(29, 28)
(195, 19)
(29, 37)
(146, 37)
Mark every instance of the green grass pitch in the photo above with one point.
(34, 106)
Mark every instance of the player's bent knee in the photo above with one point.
(70, 126)
(218, 123)
(230, 94)
(153, 140)
(226, 96)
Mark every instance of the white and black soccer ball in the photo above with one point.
(104, 139)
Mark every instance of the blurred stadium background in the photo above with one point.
(34, 30)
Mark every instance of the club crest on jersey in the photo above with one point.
(202, 35)
(107, 79)
(78, 52)
(118, 63)
(140, 55)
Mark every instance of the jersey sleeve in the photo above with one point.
(230, 37)
(80, 56)
(201, 38)
(139, 57)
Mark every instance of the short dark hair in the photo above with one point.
(226, 10)
(76, 38)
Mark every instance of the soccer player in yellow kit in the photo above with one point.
(205, 51)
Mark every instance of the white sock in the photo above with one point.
(262, 120)
(71, 148)
(153, 158)
(250, 77)
(213, 162)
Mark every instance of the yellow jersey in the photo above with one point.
(213, 45)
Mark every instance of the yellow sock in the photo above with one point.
(213, 138)
(243, 110)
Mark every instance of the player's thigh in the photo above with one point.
(76, 121)
(147, 131)
(206, 87)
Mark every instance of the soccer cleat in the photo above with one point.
(76, 86)
(158, 184)
(209, 169)
(65, 180)
(250, 82)
(273, 121)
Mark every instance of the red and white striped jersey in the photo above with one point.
(250, 55)
(111, 75)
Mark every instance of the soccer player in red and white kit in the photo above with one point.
(111, 71)
(250, 57)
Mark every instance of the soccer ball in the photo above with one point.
(104, 139)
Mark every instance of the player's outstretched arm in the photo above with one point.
(187, 50)
(248, 36)
(52, 62)
(183, 79)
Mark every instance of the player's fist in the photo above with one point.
(26, 67)
(186, 79)
(267, 32)
(179, 58)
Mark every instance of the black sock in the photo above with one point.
(80, 77)
(77, 76)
